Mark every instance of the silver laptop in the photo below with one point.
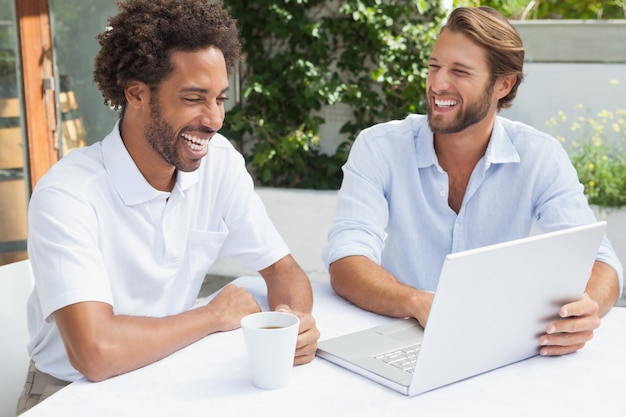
(490, 306)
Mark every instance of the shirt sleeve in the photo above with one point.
(562, 204)
(252, 240)
(63, 249)
(362, 211)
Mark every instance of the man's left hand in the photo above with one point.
(575, 328)
(308, 334)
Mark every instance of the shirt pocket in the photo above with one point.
(203, 249)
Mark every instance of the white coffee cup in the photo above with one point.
(270, 338)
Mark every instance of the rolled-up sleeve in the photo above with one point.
(362, 211)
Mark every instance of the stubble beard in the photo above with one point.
(163, 140)
(473, 113)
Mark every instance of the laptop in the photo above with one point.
(490, 307)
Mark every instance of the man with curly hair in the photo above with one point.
(123, 232)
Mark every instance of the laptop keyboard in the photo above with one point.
(402, 359)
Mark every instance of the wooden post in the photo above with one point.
(40, 118)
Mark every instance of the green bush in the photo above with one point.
(302, 55)
(597, 149)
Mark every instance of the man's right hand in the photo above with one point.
(368, 285)
(231, 304)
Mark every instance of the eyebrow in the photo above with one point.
(456, 64)
(201, 90)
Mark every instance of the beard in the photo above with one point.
(163, 139)
(469, 115)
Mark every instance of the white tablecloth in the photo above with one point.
(211, 377)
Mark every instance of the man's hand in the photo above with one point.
(575, 328)
(422, 302)
(308, 334)
(231, 304)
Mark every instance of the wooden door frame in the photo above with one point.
(38, 91)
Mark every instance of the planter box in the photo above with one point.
(569, 63)
(616, 228)
(573, 40)
(616, 232)
(303, 217)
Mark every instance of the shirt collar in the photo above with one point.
(129, 182)
(500, 149)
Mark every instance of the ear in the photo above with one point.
(504, 85)
(137, 94)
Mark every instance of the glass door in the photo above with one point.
(47, 49)
(13, 174)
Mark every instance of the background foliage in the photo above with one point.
(302, 55)
(596, 144)
(371, 55)
(554, 9)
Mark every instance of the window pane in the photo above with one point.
(13, 195)
(75, 23)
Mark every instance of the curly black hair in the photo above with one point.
(139, 40)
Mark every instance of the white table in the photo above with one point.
(211, 377)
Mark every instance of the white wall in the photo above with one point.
(552, 87)
(570, 63)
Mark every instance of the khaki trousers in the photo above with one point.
(38, 387)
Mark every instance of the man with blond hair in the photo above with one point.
(459, 178)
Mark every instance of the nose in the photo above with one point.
(213, 116)
(438, 80)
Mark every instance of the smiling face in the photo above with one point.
(460, 91)
(188, 108)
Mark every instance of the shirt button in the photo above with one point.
(442, 193)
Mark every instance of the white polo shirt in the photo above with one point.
(99, 232)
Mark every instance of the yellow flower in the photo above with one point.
(597, 148)
(598, 128)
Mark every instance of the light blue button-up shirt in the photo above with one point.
(393, 203)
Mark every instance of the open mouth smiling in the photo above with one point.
(195, 143)
(445, 104)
